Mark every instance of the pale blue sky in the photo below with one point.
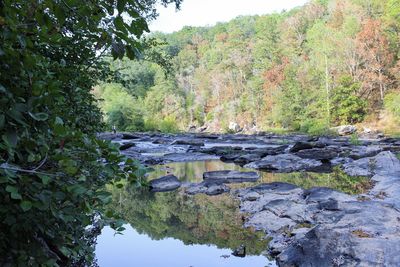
(209, 12)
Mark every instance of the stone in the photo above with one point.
(165, 183)
(185, 157)
(128, 136)
(233, 126)
(188, 142)
(318, 153)
(305, 145)
(284, 163)
(126, 146)
(228, 176)
(345, 129)
(207, 188)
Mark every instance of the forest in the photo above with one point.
(325, 64)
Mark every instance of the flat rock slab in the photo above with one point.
(284, 163)
(231, 176)
(185, 157)
(207, 188)
(165, 183)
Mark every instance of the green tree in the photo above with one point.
(52, 166)
(347, 107)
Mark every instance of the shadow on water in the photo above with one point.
(193, 172)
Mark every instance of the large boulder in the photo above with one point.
(165, 183)
(228, 176)
(284, 163)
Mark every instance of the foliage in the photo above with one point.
(392, 104)
(347, 107)
(52, 167)
(328, 62)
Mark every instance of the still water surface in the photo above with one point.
(175, 230)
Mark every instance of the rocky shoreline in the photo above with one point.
(307, 227)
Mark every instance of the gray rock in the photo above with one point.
(165, 183)
(364, 151)
(185, 157)
(188, 142)
(345, 129)
(318, 153)
(126, 146)
(207, 188)
(305, 145)
(284, 163)
(231, 176)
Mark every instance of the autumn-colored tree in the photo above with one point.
(373, 48)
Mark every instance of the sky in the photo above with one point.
(209, 12)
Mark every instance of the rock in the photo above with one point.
(231, 176)
(365, 151)
(185, 157)
(207, 188)
(244, 159)
(233, 126)
(327, 153)
(128, 136)
(284, 163)
(345, 129)
(188, 142)
(305, 145)
(361, 167)
(240, 251)
(125, 146)
(165, 183)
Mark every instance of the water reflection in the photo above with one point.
(134, 249)
(208, 230)
(193, 172)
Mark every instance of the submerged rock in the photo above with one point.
(165, 183)
(284, 163)
(231, 176)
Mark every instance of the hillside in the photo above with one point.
(327, 63)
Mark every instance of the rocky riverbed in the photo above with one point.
(307, 227)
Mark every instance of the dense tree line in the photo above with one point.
(52, 167)
(324, 64)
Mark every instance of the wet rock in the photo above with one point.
(165, 183)
(284, 163)
(230, 176)
(207, 188)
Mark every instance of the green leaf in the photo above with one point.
(121, 6)
(26, 205)
(11, 138)
(45, 179)
(13, 191)
(39, 116)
